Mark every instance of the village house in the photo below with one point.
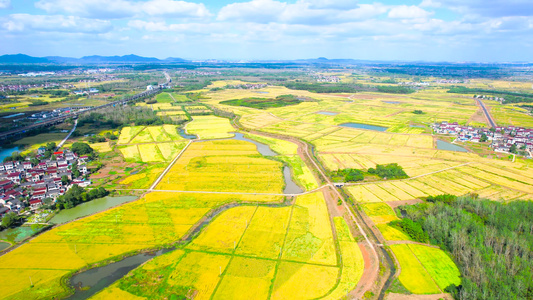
(25, 182)
(501, 138)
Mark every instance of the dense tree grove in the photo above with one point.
(395, 89)
(510, 97)
(82, 149)
(10, 219)
(349, 175)
(76, 195)
(390, 171)
(264, 103)
(124, 116)
(491, 242)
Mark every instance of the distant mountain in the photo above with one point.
(175, 59)
(94, 59)
(22, 59)
(62, 60)
(97, 59)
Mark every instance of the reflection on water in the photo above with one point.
(89, 208)
(92, 281)
(261, 148)
(5, 152)
(364, 126)
(442, 145)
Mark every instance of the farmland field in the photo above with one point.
(154, 152)
(263, 244)
(425, 270)
(249, 251)
(128, 133)
(157, 219)
(225, 165)
(210, 127)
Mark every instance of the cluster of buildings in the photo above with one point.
(501, 138)
(485, 97)
(55, 113)
(25, 184)
(90, 91)
(326, 78)
(190, 73)
(25, 87)
(247, 86)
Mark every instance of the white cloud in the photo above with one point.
(486, 8)
(301, 12)
(190, 28)
(100, 9)
(55, 23)
(430, 3)
(5, 4)
(408, 12)
(116, 9)
(175, 9)
(332, 4)
(258, 11)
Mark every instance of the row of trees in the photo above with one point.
(491, 242)
(510, 97)
(77, 195)
(348, 175)
(390, 171)
(123, 116)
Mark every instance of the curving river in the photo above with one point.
(90, 282)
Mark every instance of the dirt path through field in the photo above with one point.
(370, 276)
(394, 296)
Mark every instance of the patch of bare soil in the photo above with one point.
(394, 296)
(395, 204)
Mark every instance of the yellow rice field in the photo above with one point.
(210, 127)
(226, 165)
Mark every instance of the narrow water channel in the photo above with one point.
(92, 281)
(261, 148)
(184, 135)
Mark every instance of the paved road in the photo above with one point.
(487, 114)
(69, 134)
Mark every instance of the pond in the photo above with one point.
(442, 145)
(186, 135)
(19, 233)
(4, 245)
(391, 102)
(364, 126)
(92, 281)
(327, 113)
(5, 152)
(89, 208)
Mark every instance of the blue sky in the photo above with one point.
(428, 30)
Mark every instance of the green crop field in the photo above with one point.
(425, 270)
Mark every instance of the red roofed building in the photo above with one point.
(34, 203)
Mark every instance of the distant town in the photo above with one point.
(508, 139)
